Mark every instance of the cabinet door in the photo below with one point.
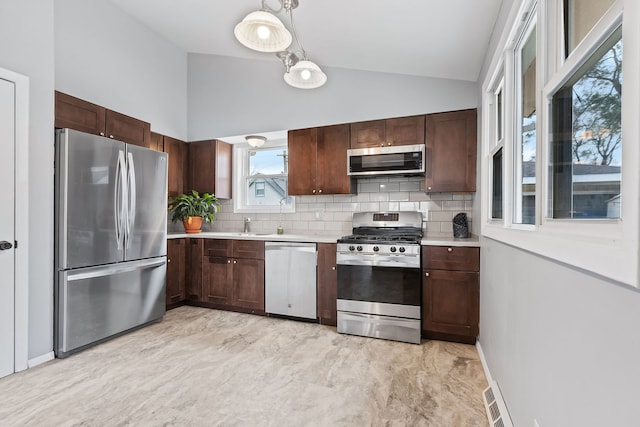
(248, 283)
(128, 129)
(218, 247)
(450, 302)
(368, 134)
(451, 140)
(74, 113)
(405, 130)
(195, 251)
(327, 284)
(176, 274)
(248, 249)
(210, 167)
(177, 152)
(332, 146)
(157, 143)
(217, 280)
(302, 162)
(451, 258)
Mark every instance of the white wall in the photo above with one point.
(232, 96)
(562, 344)
(26, 31)
(104, 56)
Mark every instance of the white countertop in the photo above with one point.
(431, 240)
(287, 237)
(449, 240)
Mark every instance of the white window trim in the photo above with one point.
(240, 166)
(493, 145)
(609, 248)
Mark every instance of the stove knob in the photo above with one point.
(401, 249)
(351, 248)
(359, 248)
(393, 249)
(376, 249)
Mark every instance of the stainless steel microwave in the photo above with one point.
(393, 160)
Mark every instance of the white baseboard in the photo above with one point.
(41, 359)
(485, 367)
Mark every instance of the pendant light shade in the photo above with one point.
(263, 31)
(305, 75)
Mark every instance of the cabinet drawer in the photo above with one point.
(451, 258)
(253, 249)
(217, 248)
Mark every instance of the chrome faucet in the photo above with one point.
(246, 220)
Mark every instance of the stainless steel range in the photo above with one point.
(379, 282)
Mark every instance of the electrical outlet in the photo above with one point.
(535, 423)
(319, 214)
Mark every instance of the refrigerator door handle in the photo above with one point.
(131, 187)
(102, 271)
(119, 199)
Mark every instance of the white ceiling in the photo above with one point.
(434, 38)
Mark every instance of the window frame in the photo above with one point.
(604, 247)
(240, 176)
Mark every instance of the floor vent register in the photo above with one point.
(496, 409)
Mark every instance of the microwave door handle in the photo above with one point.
(131, 188)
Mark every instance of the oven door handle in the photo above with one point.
(380, 261)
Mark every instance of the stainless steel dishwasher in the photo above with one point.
(290, 279)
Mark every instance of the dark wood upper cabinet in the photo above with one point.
(127, 129)
(210, 165)
(451, 151)
(178, 165)
(75, 113)
(327, 284)
(157, 141)
(318, 161)
(301, 148)
(396, 131)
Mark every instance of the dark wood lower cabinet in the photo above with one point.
(327, 284)
(248, 283)
(176, 272)
(233, 275)
(450, 304)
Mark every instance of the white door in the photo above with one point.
(7, 227)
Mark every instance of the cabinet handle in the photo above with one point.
(101, 133)
(235, 261)
(428, 188)
(333, 268)
(111, 136)
(388, 143)
(313, 191)
(228, 261)
(168, 260)
(426, 274)
(449, 249)
(382, 145)
(319, 191)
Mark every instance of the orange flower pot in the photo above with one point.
(192, 224)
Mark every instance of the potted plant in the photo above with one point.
(192, 209)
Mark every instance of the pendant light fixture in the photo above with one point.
(263, 31)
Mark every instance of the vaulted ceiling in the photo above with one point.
(434, 38)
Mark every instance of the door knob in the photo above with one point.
(4, 245)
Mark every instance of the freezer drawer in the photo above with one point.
(290, 279)
(99, 302)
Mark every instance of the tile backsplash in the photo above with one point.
(331, 214)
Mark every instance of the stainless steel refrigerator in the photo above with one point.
(110, 237)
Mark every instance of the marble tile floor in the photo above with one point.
(201, 367)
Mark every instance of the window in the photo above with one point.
(526, 138)
(259, 187)
(261, 179)
(497, 148)
(586, 146)
(579, 18)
